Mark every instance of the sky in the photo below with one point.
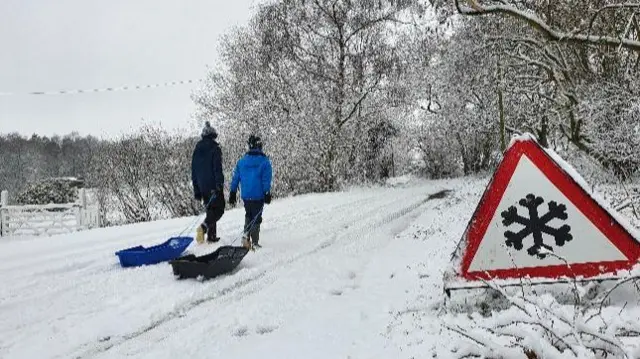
(87, 44)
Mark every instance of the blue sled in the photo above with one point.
(138, 256)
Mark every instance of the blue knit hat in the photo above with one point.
(209, 131)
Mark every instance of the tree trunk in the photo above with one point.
(543, 132)
(503, 140)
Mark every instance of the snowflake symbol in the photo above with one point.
(536, 225)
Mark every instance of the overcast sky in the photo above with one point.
(84, 44)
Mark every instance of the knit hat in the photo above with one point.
(254, 142)
(209, 131)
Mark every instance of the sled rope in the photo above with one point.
(193, 224)
(189, 228)
(251, 224)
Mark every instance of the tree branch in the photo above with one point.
(357, 104)
(607, 7)
(368, 24)
(542, 27)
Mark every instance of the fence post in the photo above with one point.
(4, 198)
(4, 201)
(82, 196)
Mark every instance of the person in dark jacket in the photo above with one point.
(253, 174)
(208, 182)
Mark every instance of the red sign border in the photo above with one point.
(493, 194)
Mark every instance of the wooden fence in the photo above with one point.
(49, 219)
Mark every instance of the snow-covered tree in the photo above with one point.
(557, 62)
(46, 191)
(312, 78)
(146, 175)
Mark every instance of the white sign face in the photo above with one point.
(546, 220)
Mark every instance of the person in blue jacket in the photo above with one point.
(208, 182)
(253, 174)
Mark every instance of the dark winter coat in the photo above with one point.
(206, 168)
(253, 173)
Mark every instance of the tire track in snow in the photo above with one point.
(391, 222)
(110, 343)
(166, 231)
(89, 271)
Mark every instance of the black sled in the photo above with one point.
(222, 260)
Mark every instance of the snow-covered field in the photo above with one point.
(356, 274)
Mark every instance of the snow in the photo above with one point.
(353, 274)
(400, 180)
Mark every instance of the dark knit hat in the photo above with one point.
(254, 142)
(209, 131)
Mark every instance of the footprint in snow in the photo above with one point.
(265, 329)
(241, 332)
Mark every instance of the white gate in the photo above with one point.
(47, 219)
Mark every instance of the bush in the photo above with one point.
(52, 190)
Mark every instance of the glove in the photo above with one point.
(232, 198)
(267, 197)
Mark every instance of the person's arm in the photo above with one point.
(235, 180)
(218, 174)
(196, 189)
(267, 173)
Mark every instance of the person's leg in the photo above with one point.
(219, 206)
(203, 227)
(256, 217)
(255, 235)
(214, 213)
(212, 226)
(247, 220)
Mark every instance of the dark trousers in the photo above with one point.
(215, 210)
(252, 210)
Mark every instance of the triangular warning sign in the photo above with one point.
(536, 220)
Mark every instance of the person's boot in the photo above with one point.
(202, 229)
(212, 238)
(255, 236)
(246, 242)
(246, 239)
(211, 235)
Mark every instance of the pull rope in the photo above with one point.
(251, 225)
(194, 223)
(191, 225)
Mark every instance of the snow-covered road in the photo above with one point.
(336, 277)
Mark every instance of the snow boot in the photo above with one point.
(255, 236)
(246, 241)
(200, 233)
(211, 234)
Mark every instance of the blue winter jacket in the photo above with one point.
(253, 173)
(206, 167)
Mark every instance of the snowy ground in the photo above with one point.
(356, 274)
